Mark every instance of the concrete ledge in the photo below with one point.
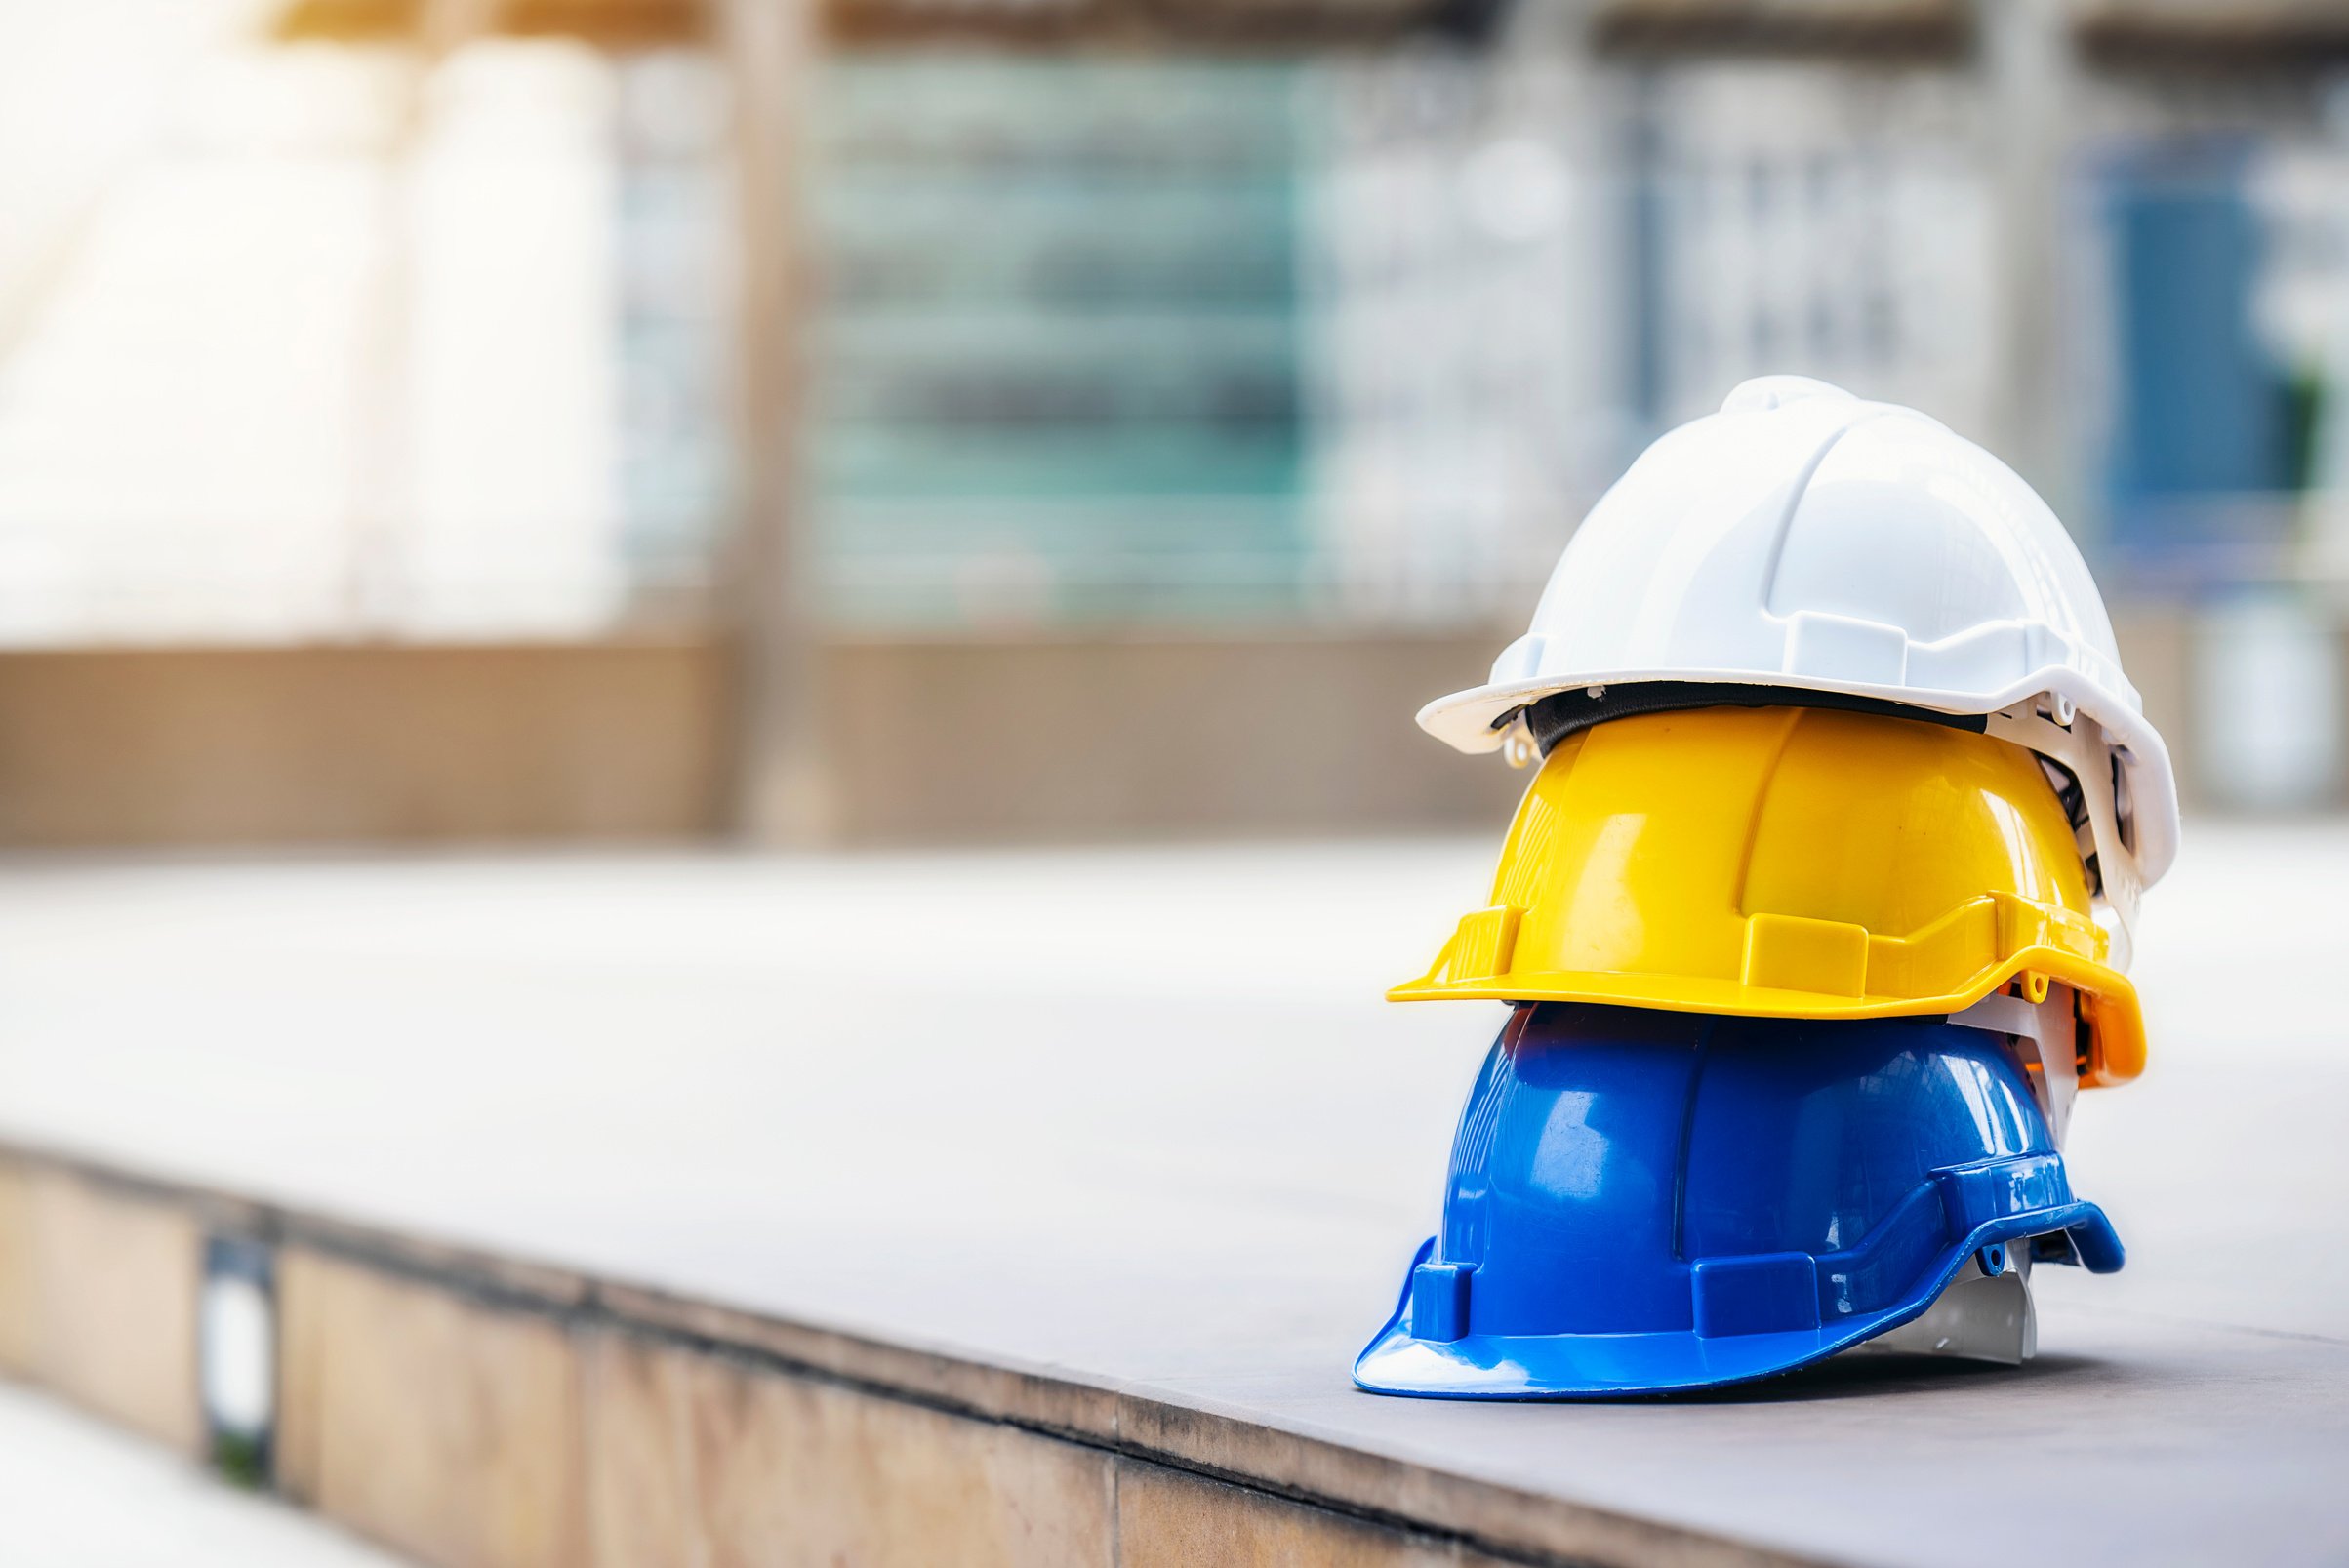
(445, 1427)
(97, 1293)
(1051, 740)
(477, 1412)
(257, 745)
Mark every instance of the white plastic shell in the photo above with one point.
(1804, 537)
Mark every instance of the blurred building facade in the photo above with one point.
(1176, 394)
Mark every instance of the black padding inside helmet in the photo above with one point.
(1563, 713)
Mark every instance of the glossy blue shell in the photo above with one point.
(1644, 1201)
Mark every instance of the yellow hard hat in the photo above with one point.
(1792, 863)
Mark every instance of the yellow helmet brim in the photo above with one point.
(1791, 864)
(2114, 1018)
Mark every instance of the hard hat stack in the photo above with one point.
(1814, 921)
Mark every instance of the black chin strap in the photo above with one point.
(1563, 713)
(1560, 715)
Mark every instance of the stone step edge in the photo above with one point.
(102, 1271)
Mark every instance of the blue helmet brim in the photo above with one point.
(1603, 1366)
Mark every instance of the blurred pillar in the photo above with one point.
(2027, 67)
(443, 27)
(780, 781)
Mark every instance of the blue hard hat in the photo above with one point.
(1643, 1201)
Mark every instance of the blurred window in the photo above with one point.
(350, 346)
(1204, 341)
(1058, 359)
(340, 340)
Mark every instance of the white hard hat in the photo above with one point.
(1803, 539)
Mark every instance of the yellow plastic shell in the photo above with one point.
(1791, 863)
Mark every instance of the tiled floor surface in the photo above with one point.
(77, 1494)
(1141, 1115)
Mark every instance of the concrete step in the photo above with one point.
(1030, 1207)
